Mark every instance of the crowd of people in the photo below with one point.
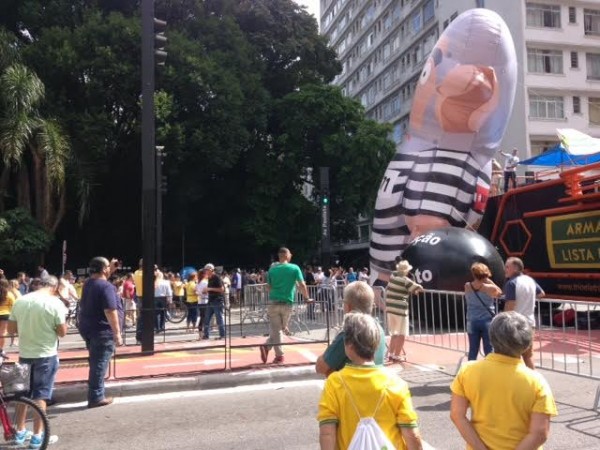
(357, 387)
(363, 406)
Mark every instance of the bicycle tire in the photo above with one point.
(13, 403)
(177, 313)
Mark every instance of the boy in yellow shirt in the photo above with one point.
(362, 389)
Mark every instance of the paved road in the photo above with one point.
(282, 416)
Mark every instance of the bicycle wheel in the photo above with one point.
(177, 312)
(11, 407)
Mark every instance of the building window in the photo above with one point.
(591, 22)
(572, 15)
(544, 61)
(576, 105)
(546, 107)
(480, 3)
(398, 132)
(453, 16)
(415, 23)
(446, 23)
(593, 66)
(428, 11)
(546, 16)
(574, 60)
(594, 110)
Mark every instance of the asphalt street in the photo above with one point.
(282, 416)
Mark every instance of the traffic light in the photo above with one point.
(160, 41)
(325, 198)
(163, 184)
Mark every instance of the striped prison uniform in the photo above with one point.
(437, 182)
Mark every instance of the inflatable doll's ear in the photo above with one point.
(481, 114)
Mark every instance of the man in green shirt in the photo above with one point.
(282, 279)
(39, 318)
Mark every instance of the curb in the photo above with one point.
(71, 393)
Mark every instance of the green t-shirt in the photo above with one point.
(37, 315)
(282, 279)
(335, 354)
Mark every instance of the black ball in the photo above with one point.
(442, 258)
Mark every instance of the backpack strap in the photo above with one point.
(353, 403)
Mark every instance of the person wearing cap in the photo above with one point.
(100, 319)
(215, 305)
(40, 319)
(399, 288)
(282, 280)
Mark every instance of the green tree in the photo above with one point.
(243, 111)
(34, 149)
(22, 239)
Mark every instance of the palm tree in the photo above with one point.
(33, 150)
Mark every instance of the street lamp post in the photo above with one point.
(325, 217)
(148, 176)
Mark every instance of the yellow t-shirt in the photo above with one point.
(78, 289)
(366, 384)
(503, 393)
(190, 290)
(178, 288)
(6, 308)
(138, 280)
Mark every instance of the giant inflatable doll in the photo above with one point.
(440, 175)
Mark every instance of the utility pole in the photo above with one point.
(152, 35)
(160, 157)
(325, 218)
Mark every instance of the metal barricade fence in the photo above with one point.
(567, 338)
(437, 318)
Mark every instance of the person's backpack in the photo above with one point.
(368, 434)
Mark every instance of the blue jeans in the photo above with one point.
(215, 308)
(192, 317)
(479, 330)
(42, 375)
(101, 350)
(160, 307)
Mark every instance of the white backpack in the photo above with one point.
(368, 434)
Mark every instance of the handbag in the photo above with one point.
(481, 300)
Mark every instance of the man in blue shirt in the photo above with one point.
(100, 319)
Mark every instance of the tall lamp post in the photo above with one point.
(325, 218)
(153, 42)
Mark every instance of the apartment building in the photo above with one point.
(383, 44)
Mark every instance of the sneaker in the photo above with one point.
(264, 353)
(36, 441)
(22, 436)
(278, 360)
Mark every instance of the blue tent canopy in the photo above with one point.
(558, 156)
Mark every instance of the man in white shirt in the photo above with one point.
(520, 292)
(510, 168)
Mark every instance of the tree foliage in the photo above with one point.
(22, 238)
(243, 109)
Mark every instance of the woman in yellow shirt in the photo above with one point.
(191, 300)
(7, 299)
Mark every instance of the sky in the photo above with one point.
(313, 6)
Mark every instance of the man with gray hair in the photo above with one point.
(40, 319)
(358, 297)
(502, 382)
(520, 292)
